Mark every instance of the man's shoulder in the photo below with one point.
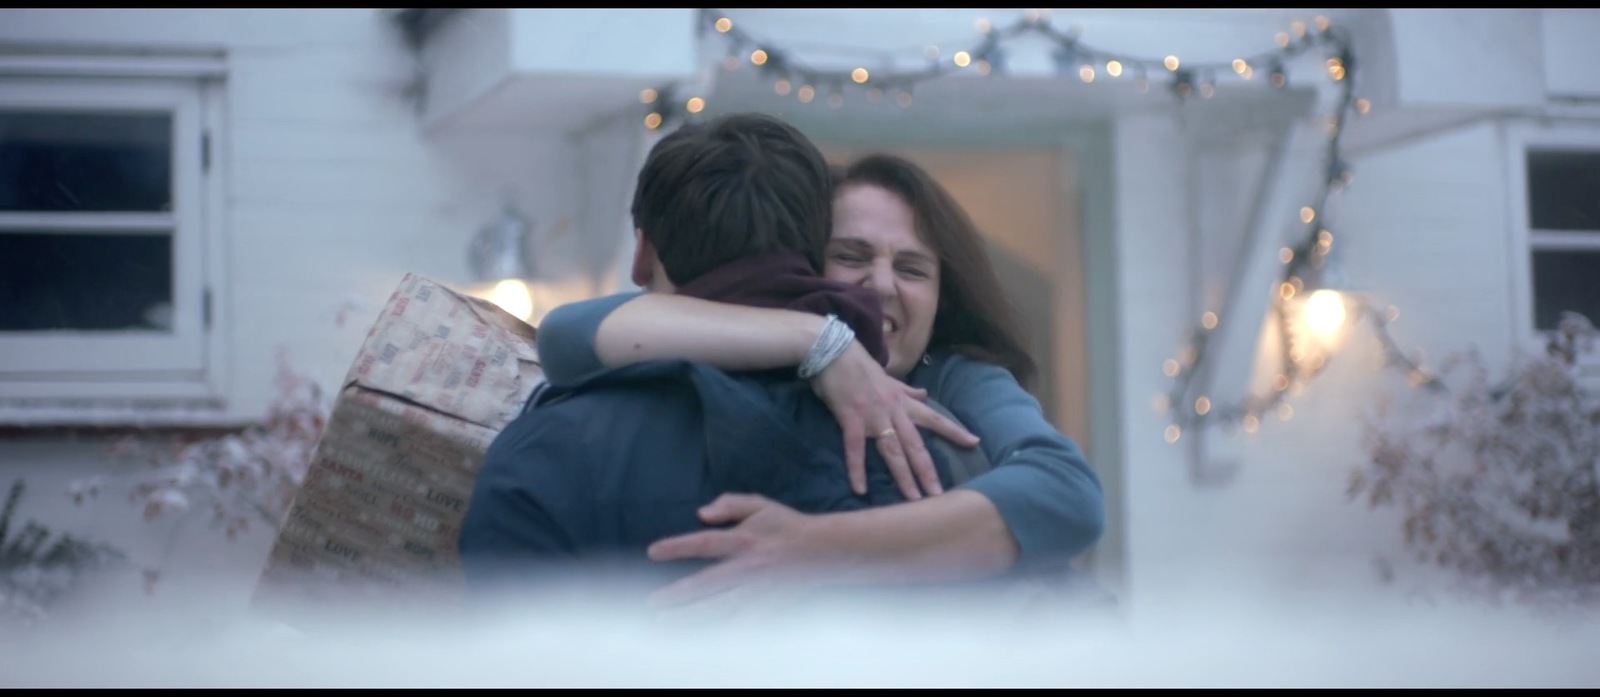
(615, 383)
(670, 377)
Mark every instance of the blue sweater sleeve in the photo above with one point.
(1046, 492)
(566, 338)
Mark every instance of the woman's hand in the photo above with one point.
(767, 552)
(870, 404)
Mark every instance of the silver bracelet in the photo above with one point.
(832, 342)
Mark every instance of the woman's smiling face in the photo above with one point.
(875, 245)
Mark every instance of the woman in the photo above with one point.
(951, 338)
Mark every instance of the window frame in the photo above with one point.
(74, 379)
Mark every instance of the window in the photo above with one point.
(1563, 218)
(1555, 221)
(107, 225)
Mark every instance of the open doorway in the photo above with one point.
(1026, 200)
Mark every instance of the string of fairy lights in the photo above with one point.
(1305, 266)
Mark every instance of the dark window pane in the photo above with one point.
(1565, 281)
(1564, 190)
(66, 161)
(85, 281)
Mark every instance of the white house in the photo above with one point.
(318, 155)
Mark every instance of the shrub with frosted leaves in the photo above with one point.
(1498, 481)
(239, 475)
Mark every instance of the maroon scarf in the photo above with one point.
(786, 280)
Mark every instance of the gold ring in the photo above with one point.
(886, 433)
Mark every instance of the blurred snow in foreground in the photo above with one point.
(1200, 640)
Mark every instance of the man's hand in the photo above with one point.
(772, 551)
(870, 404)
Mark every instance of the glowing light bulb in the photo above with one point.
(1325, 313)
(512, 296)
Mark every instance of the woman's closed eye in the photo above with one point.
(850, 258)
(912, 271)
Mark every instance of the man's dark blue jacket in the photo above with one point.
(589, 476)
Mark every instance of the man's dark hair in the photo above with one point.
(738, 186)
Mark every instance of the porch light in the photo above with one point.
(512, 295)
(500, 254)
(1325, 314)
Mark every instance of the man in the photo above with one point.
(578, 487)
